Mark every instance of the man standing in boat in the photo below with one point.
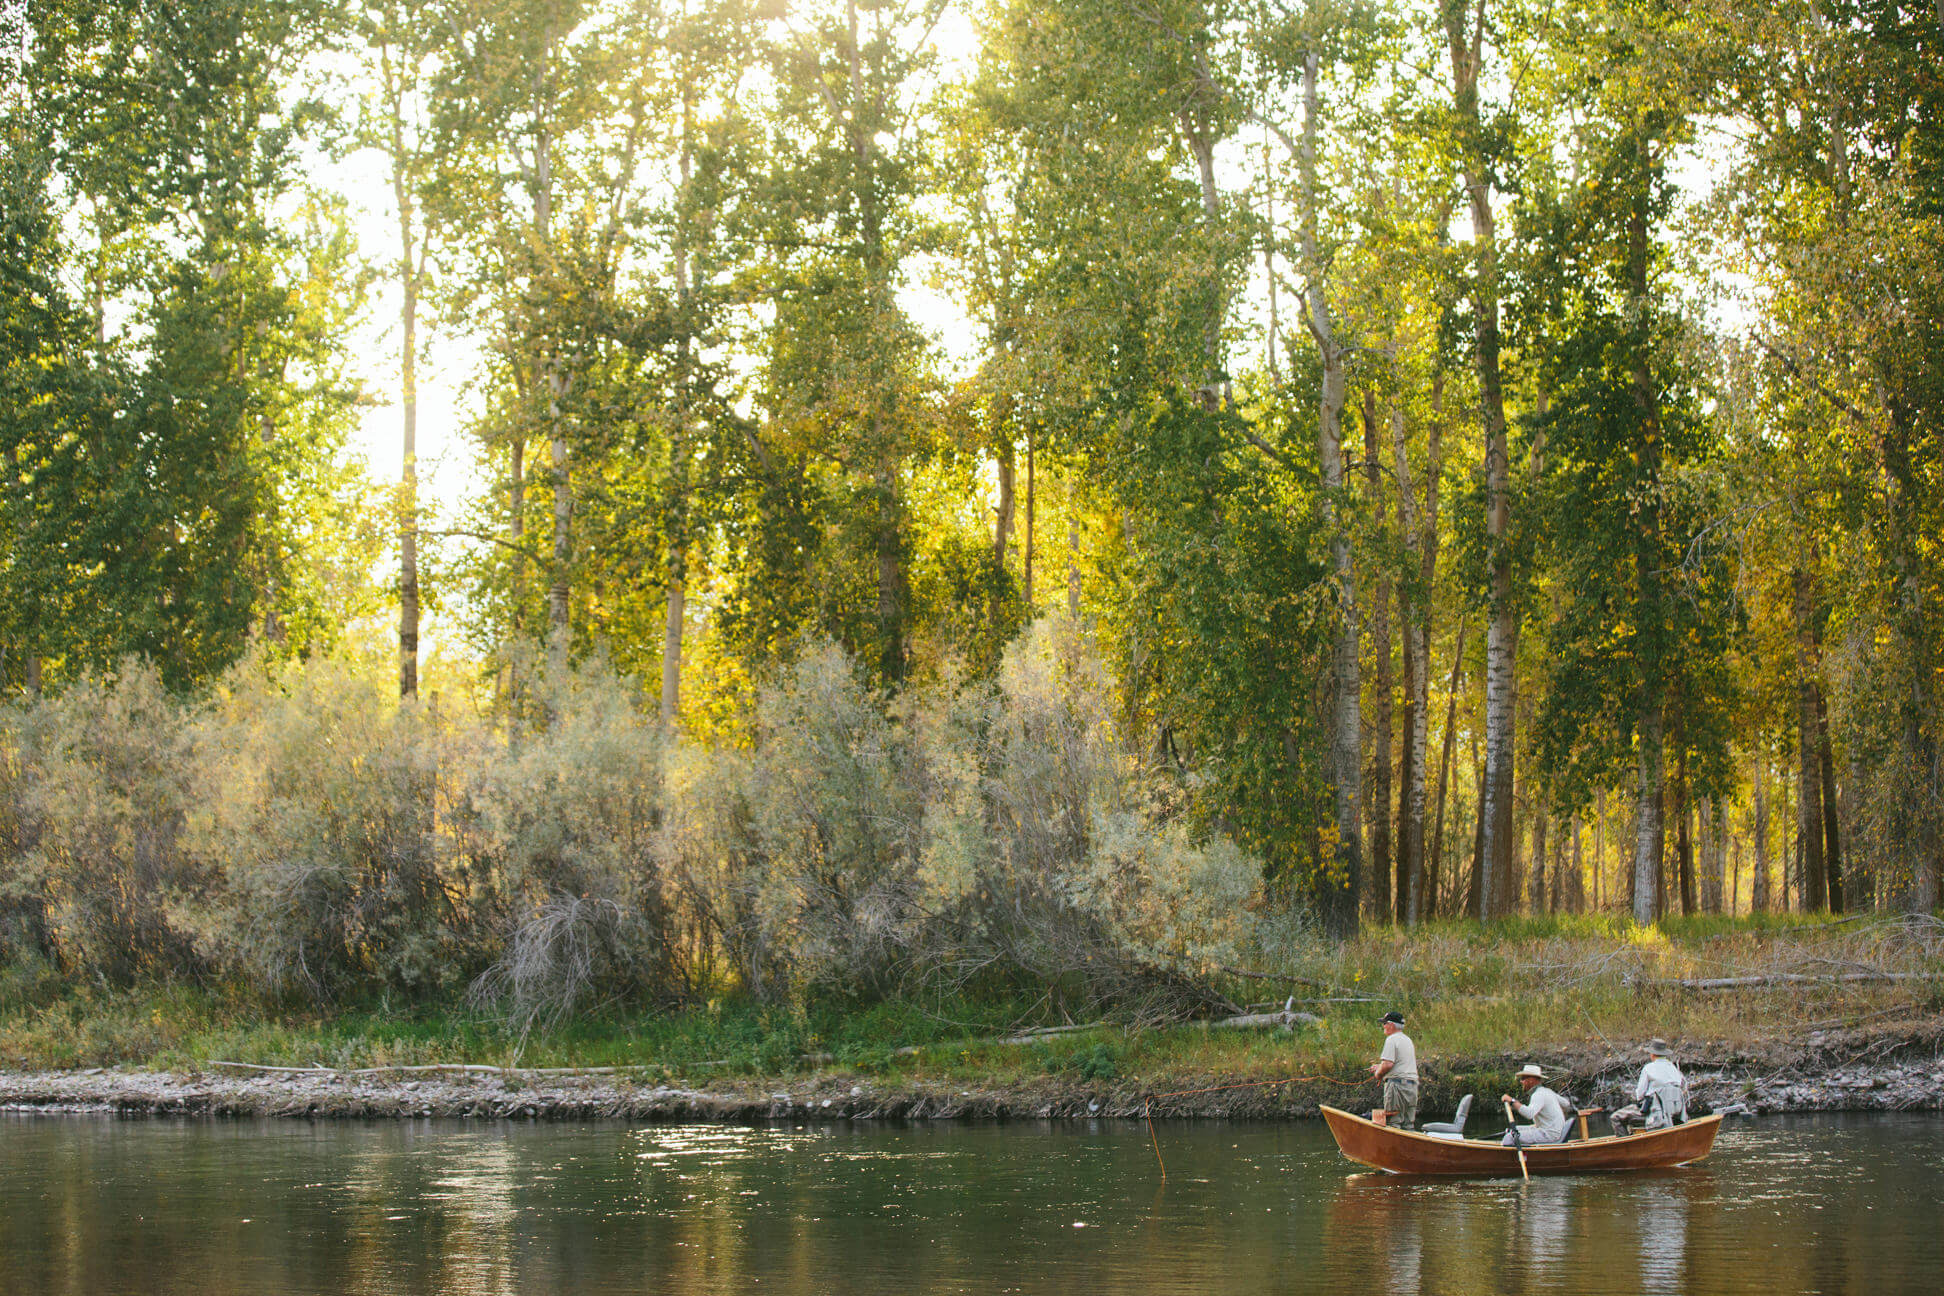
(1397, 1068)
(1541, 1107)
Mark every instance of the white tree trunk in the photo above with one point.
(1648, 822)
(410, 266)
(1345, 884)
(1465, 33)
(1414, 613)
(1758, 883)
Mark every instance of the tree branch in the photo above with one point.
(1835, 398)
(487, 538)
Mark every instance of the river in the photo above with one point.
(98, 1205)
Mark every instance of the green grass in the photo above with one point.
(1473, 991)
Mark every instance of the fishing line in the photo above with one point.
(1147, 1103)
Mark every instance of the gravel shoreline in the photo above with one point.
(1894, 1069)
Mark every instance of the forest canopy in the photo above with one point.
(1034, 488)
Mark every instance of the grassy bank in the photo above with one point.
(1539, 988)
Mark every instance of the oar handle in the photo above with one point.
(1513, 1121)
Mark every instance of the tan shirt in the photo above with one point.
(1401, 1054)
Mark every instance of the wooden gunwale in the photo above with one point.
(1407, 1152)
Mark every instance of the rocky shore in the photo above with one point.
(1897, 1068)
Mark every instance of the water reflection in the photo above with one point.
(214, 1209)
(1668, 1231)
(1663, 1242)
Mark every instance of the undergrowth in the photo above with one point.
(1525, 987)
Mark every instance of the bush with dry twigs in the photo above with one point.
(300, 832)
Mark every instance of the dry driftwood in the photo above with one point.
(1791, 978)
(1264, 1020)
(1040, 1032)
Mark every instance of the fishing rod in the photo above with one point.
(1147, 1103)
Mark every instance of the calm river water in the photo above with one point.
(97, 1205)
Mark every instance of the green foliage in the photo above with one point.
(1644, 610)
(169, 490)
(1225, 620)
(691, 246)
(1100, 1062)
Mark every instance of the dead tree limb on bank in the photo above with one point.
(1789, 978)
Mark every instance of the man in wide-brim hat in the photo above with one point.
(1397, 1068)
(1661, 1091)
(1541, 1106)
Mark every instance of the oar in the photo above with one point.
(1511, 1120)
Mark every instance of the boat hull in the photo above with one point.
(1407, 1152)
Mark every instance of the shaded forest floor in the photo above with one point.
(1790, 1013)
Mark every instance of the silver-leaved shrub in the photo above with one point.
(299, 831)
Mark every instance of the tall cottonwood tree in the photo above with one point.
(1479, 142)
(1844, 219)
(544, 112)
(171, 492)
(846, 369)
(1346, 729)
(1640, 638)
(709, 140)
(401, 36)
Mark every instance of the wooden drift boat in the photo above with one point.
(1406, 1152)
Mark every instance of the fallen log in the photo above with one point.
(1032, 1033)
(1262, 1021)
(1790, 978)
(319, 1069)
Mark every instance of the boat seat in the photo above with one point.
(1576, 1119)
(1453, 1128)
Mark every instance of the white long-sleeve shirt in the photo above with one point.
(1658, 1071)
(1664, 1089)
(1544, 1111)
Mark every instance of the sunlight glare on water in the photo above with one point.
(91, 1205)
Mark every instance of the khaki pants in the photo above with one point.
(1400, 1096)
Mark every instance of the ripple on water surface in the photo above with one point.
(1814, 1204)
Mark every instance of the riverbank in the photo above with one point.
(1785, 1014)
(1884, 1068)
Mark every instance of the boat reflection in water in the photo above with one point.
(1663, 1225)
(1563, 1233)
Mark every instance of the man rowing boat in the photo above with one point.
(1541, 1107)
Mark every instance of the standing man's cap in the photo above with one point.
(1531, 1069)
(1657, 1047)
(1394, 1018)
